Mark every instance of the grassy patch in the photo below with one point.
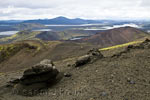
(119, 46)
(20, 36)
(2, 74)
(9, 38)
(9, 50)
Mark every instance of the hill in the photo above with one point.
(48, 36)
(115, 36)
(36, 50)
(43, 35)
(121, 76)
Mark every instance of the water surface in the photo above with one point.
(8, 32)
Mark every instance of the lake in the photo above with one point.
(8, 32)
(14, 32)
(114, 26)
(4, 25)
(103, 27)
(43, 30)
(74, 25)
(78, 38)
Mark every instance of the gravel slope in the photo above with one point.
(126, 77)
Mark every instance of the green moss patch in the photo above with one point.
(7, 51)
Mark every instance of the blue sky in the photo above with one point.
(88, 9)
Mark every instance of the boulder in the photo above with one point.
(38, 69)
(143, 45)
(130, 46)
(147, 40)
(44, 77)
(46, 61)
(95, 52)
(37, 77)
(82, 60)
(146, 44)
(90, 57)
(67, 74)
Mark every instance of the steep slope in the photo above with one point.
(3, 36)
(24, 53)
(6, 51)
(123, 77)
(17, 55)
(48, 36)
(43, 35)
(30, 35)
(115, 36)
(22, 35)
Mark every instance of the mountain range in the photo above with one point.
(63, 20)
(57, 20)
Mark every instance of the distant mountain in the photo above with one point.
(115, 36)
(67, 21)
(63, 20)
(28, 26)
(57, 20)
(9, 22)
(21, 26)
(75, 21)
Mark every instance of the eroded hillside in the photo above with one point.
(115, 36)
(123, 75)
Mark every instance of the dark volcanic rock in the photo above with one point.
(67, 74)
(44, 77)
(37, 70)
(143, 45)
(38, 77)
(12, 82)
(146, 44)
(82, 60)
(95, 54)
(90, 57)
(46, 61)
(130, 47)
(147, 40)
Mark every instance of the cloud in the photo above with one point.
(90, 9)
(145, 3)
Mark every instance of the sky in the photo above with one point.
(87, 9)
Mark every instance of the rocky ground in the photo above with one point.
(124, 75)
